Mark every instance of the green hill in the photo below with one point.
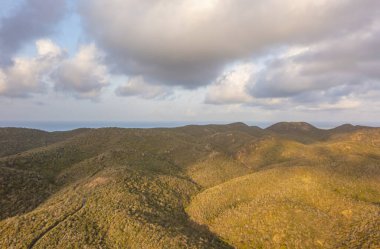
(16, 140)
(292, 207)
(213, 186)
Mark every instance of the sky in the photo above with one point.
(191, 61)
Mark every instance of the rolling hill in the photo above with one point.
(291, 185)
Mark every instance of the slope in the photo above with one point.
(319, 195)
(135, 193)
(296, 207)
(16, 140)
(129, 188)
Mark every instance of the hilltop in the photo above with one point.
(290, 185)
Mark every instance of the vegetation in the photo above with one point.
(292, 207)
(15, 140)
(216, 186)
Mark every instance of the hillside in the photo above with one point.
(307, 133)
(292, 207)
(16, 140)
(291, 185)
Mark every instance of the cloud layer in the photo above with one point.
(233, 86)
(82, 75)
(137, 86)
(188, 42)
(26, 76)
(306, 55)
(32, 20)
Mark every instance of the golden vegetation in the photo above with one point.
(295, 207)
(215, 186)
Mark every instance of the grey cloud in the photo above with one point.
(337, 65)
(84, 75)
(231, 87)
(33, 19)
(189, 42)
(26, 76)
(333, 74)
(137, 86)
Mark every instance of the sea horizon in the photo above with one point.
(51, 126)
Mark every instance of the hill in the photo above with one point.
(16, 140)
(294, 207)
(306, 133)
(213, 186)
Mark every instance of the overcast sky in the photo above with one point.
(190, 60)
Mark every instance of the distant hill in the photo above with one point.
(348, 128)
(291, 185)
(307, 133)
(292, 127)
(15, 140)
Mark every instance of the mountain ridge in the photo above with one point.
(145, 188)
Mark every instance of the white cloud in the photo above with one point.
(3, 84)
(341, 104)
(29, 75)
(46, 47)
(232, 87)
(84, 75)
(137, 86)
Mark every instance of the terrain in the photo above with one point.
(290, 185)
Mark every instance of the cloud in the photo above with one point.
(239, 86)
(335, 73)
(344, 61)
(26, 76)
(232, 87)
(137, 86)
(189, 42)
(329, 71)
(84, 75)
(341, 104)
(284, 54)
(33, 19)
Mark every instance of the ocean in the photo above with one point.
(70, 125)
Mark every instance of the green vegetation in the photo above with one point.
(15, 140)
(216, 186)
(293, 207)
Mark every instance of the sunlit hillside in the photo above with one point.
(291, 185)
